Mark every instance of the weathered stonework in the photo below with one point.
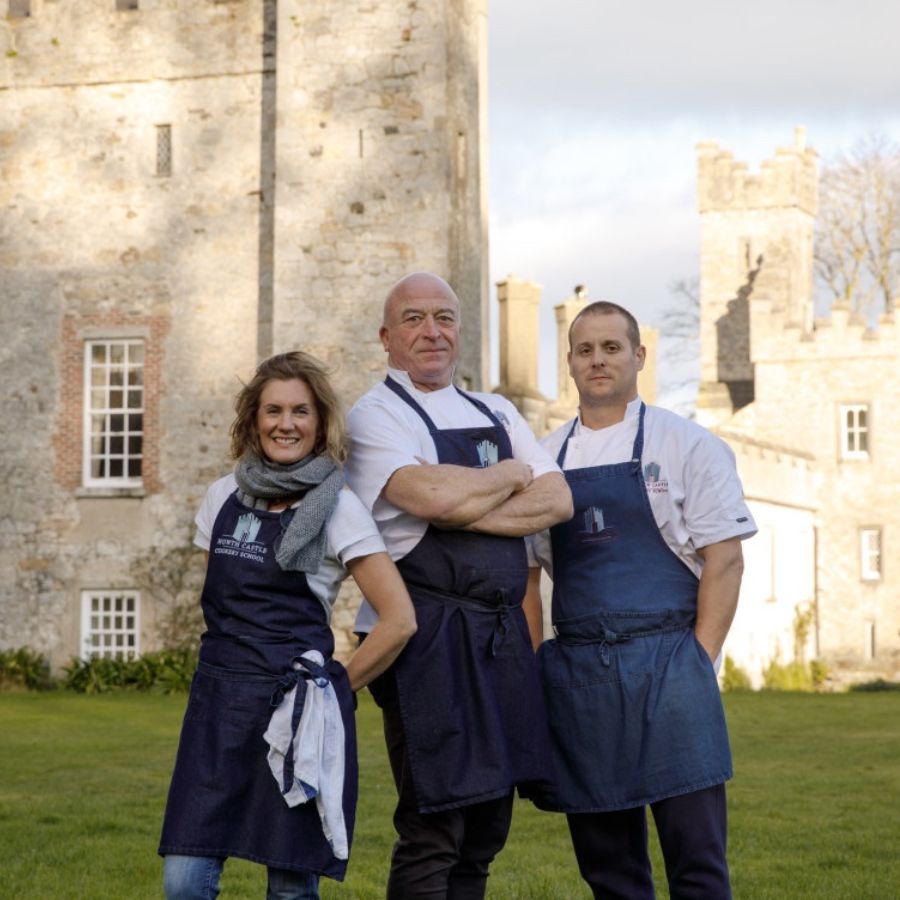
(319, 151)
(773, 380)
(810, 501)
(756, 237)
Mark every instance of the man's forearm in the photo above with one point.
(545, 502)
(717, 596)
(451, 496)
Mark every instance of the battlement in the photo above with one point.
(788, 180)
(842, 335)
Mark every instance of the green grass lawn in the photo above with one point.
(814, 806)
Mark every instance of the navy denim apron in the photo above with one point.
(224, 800)
(466, 683)
(635, 710)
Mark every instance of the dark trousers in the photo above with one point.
(442, 855)
(611, 848)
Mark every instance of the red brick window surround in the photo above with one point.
(114, 406)
(108, 429)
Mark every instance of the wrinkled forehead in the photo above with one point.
(425, 293)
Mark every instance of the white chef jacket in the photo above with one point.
(349, 533)
(692, 482)
(386, 434)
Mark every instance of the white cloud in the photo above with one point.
(595, 109)
(667, 58)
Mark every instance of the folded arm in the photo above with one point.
(452, 496)
(546, 501)
(717, 597)
(382, 586)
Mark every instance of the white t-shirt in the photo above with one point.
(349, 534)
(690, 475)
(387, 434)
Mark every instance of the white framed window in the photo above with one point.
(870, 554)
(854, 424)
(113, 413)
(110, 624)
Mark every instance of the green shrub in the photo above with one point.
(818, 671)
(879, 684)
(176, 671)
(165, 672)
(792, 676)
(734, 678)
(25, 668)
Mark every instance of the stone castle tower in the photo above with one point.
(807, 404)
(186, 188)
(754, 228)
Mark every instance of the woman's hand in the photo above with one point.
(381, 584)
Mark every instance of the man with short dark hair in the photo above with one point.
(454, 480)
(646, 577)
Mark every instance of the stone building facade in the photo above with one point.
(188, 187)
(806, 404)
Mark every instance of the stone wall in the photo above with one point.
(756, 240)
(801, 385)
(779, 584)
(319, 151)
(378, 173)
(800, 371)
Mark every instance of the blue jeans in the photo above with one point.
(197, 878)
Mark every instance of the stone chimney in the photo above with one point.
(520, 303)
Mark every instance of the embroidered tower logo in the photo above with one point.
(487, 453)
(595, 530)
(655, 484)
(247, 528)
(593, 520)
(651, 472)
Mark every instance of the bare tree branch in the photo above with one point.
(857, 244)
(679, 330)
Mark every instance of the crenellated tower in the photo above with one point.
(756, 243)
(807, 404)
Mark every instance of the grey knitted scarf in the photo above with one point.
(317, 479)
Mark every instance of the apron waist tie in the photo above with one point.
(498, 607)
(606, 637)
(502, 627)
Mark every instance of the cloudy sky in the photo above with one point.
(595, 108)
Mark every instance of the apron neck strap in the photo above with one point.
(406, 398)
(638, 447)
(636, 450)
(561, 456)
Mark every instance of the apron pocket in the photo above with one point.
(574, 665)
